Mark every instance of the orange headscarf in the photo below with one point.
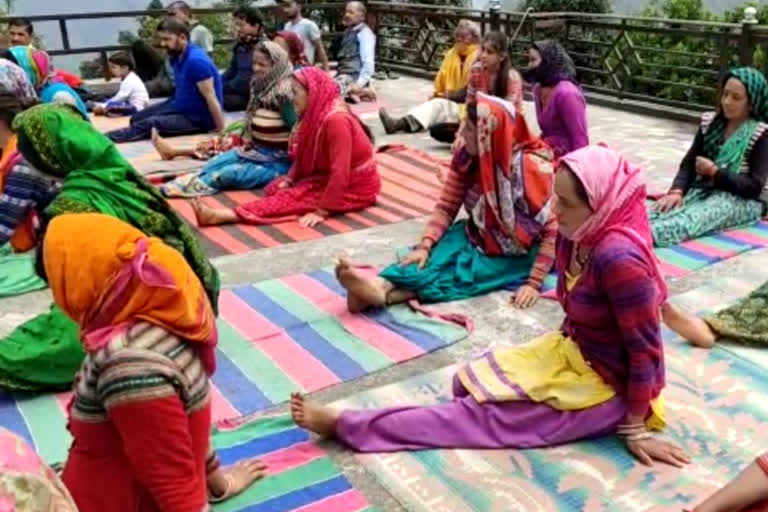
(106, 274)
(23, 239)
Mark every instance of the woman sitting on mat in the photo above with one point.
(141, 412)
(721, 179)
(334, 168)
(37, 65)
(509, 237)
(294, 46)
(561, 108)
(601, 373)
(492, 73)
(261, 154)
(748, 492)
(447, 102)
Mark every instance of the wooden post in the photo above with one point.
(747, 50)
(494, 6)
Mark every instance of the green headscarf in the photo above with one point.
(729, 154)
(96, 178)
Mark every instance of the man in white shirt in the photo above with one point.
(132, 96)
(307, 30)
(199, 35)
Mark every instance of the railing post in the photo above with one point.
(494, 6)
(747, 52)
(105, 66)
(64, 33)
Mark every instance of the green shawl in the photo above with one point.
(729, 153)
(96, 178)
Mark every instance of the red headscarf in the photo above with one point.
(295, 48)
(616, 193)
(323, 99)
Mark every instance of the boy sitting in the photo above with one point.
(132, 96)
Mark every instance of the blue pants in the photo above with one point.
(161, 116)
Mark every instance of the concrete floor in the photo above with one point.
(657, 144)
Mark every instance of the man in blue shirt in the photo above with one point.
(196, 104)
(356, 57)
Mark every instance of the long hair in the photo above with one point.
(500, 43)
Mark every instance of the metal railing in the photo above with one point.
(674, 63)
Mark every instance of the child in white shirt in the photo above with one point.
(132, 95)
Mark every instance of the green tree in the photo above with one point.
(597, 6)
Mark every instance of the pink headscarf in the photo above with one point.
(616, 193)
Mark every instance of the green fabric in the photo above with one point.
(98, 179)
(17, 273)
(457, 270)
(729, 153)
(746, 321)
(704, 211)
(42, 354)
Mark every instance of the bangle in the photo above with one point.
(642, 436)
(675, 192)
(628, 429)
(424, 247)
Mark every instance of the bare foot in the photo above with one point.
(225, 483)
(362, 292)
(320, 419)
(162, 146)
(368, 94)
(207, 216)
(689, 326)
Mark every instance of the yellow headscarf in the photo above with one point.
(106, 274)
(454, 72)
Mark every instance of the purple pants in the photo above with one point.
(466, 423)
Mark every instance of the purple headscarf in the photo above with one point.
(556, 65)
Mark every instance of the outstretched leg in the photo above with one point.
(365, 292)
(320, 419)
(207, 216)
(689, 326)
(166, 150)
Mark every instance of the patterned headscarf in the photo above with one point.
(616, 194)
(270, 89)
(323, 99)
(295, 48)
(14, 81)
(556, 65)
(714, 135)
(107, 282)
(35, 63)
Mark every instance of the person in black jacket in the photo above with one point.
(237, 78)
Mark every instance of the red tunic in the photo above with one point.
(345, 178)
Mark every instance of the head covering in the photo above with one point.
(516, 178)
(729, 153)
(270, 89)
(556, 65)
(106, 274)
(27, 483)
(616, 193)
(35, 63)
(13, 80)
(295, 48)
(323, 99)
(97, 178)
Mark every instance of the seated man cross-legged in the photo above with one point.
(196, 104)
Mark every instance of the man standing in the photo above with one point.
(307, 30)
(20, 32)
(237, 77)
(196, 104)
(199, 35)
(356, 58)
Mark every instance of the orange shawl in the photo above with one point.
(106, 274)
(23, 239)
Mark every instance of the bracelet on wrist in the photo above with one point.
(642, 436)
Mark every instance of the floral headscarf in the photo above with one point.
(271, 89)
(35, 63)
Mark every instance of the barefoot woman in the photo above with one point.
(334, 169)
(509, 237)
(261, 153)
(601, 373)
(141, 413)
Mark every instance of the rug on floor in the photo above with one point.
(717, 412)
(410, 188)
(694, 255)
(301, 475)
(275, 337)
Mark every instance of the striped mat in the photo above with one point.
(275, 337)
(696, 254)
(409, 189)
(301, 476)
(717, 412)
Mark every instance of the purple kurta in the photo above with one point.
(564, 122)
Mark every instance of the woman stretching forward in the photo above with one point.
(261, 153)
(140, 418)
(721, 179)
(334, 168)
(601, 373)
(509, 237)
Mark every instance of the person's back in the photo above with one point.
(200, 36)
(194, 66)
(308, 31)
